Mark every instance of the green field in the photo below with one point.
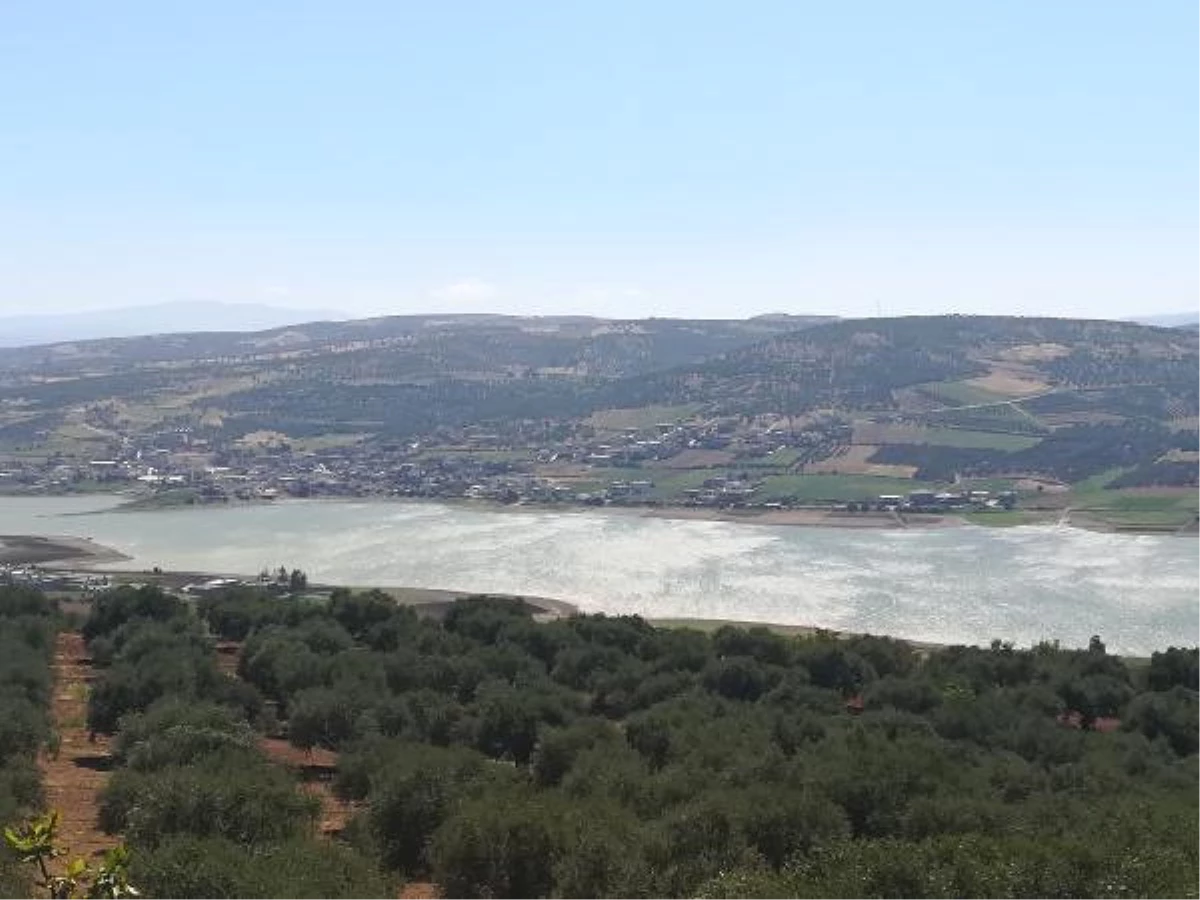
(780, 459)
(640, 417)
(668, 486)
(1096, 483)
(1176, 506)
(1133, 507)
(958, 393)
(941, 436)
(1003, 417)
(833, 487)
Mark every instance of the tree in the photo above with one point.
(496, 849)
(297, 581)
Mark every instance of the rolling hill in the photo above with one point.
(773, 402)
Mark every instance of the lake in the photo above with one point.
(953, 585)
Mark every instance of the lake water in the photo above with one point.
(960, 585)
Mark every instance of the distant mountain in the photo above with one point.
(161, 318)
(1170, 320)
(434, 345)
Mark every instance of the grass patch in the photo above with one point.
(834, 487)
(1161, 519)
(1098, 482)
(959, 393)
(777, 459)
(1120, 501)
(881, 433)
(668, 486)
(1004, 417)
(327, 441)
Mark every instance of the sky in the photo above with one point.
(615, 157)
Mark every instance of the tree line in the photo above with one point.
(28, 625)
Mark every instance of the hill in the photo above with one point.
(751, 412)
(158, 318)
(1170, 320)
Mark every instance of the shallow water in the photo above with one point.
(960, 585)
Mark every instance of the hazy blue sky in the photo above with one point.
(610, 157)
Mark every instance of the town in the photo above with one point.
(720, 463)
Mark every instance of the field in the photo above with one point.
(1148, 509)
(885, 433)
(960, 393)
(639, 417)
(1007, 383)
(837, 488)
(1008, 418)
(693, 458)
(1005, 518)
(668, 486)
(855, 460)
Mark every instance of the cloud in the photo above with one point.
(468, 290)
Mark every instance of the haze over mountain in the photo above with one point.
(1168, 320)
(160, 318)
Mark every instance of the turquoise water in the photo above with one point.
(962, 585)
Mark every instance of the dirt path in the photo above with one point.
(74, 778)
(315, 769)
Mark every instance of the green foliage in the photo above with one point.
(175, 732)
(36, 842)
(232, 793)
(27, 628)
(412, 789)
(599, 756)
(207, 812)
(190, 866)
(491, 849)
(114, 608)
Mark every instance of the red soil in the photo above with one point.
(74, 777)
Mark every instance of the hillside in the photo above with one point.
(704, 412)
(158, 318)
(322, 375)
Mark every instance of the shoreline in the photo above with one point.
(1082, 519)
(56, 551)
(808, 518)
(797, 516)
